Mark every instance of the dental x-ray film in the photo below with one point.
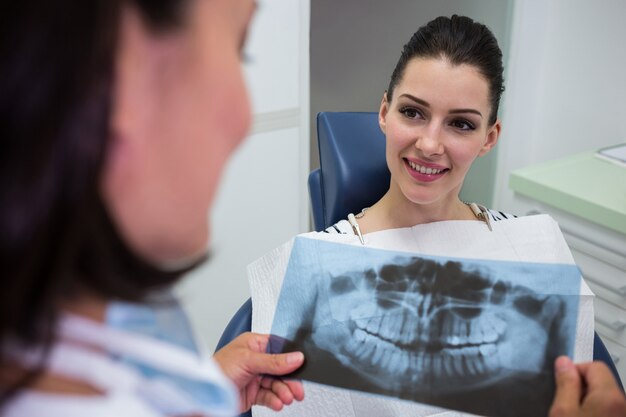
(478, 336)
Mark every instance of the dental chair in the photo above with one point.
(353, 174)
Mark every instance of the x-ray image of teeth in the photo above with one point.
(478, 336)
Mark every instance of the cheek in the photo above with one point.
(399, 137)
(225, 121)
(398, 140)
(231, 115)
(463, 151)
(227, 108)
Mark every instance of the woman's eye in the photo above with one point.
(462, 125)
(411, 112)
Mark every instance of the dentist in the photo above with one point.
(116, 120)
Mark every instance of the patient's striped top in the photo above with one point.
(343, 226)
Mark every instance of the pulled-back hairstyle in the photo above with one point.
(460, 40)
(56, 237)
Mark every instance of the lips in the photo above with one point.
(424, 169)
(423, 172)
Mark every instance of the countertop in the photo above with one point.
(581, 184)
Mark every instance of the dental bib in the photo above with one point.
(525, 242)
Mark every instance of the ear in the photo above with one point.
(493, 134)
(382, 113)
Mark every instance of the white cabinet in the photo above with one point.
(600, 253)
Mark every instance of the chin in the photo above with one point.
(185, 259)
(422, 199)
(426, 195)
(185, 250)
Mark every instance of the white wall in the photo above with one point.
(263, 199)
(566, 90)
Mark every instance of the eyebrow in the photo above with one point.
(426, 104)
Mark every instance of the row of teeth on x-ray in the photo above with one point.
(402, 328)
(461, 347)
(422, 365)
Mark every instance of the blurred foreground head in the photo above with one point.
(116, 119)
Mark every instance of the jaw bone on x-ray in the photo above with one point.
(478, 336)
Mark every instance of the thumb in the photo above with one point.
(275, 364)
(568, 388)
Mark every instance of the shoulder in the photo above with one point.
(496, 215)
(119, 404)
(341, 227)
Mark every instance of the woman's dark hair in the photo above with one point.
(56, 238)
(461, 41)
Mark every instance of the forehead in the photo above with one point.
(438, 80)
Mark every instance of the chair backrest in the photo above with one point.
(353, 170)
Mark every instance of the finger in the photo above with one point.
(257, 342)
(274, 364)
(597, 375)
(296, 387)
(248, 395)
(604, 397)
(568, 388)
(282, 390)
(268, 399)
(266, 382)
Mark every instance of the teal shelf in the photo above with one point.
(582, 184)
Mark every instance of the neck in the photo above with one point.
(393, 211)
(87, 305)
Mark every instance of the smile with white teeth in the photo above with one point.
(424, 170)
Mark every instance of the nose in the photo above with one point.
(429, 141)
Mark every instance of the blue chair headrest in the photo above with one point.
(353, 167)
